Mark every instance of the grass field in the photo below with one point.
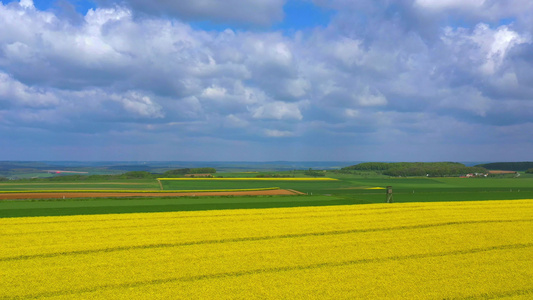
(446, 250)
(29, 208)
(125, 184)
(346, 190)
(300, 184)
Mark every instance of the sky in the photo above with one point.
(266, 80)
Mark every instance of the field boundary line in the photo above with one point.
(295, 191)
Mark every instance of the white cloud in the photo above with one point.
(449, 4)
(495, 44)
(27, 3)
(233, 121)
(21, 95)
(484, 47)
(139, 104)
(278, 133)
(347, 51)
(278, 110)
(371, 98)
(352, 113)
(215, 93)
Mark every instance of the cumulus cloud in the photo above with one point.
(485, 47)
(15, 93)
(278, 110)
(139, 104)
(26, 3)
(371, 98)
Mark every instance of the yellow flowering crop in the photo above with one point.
(459, 250)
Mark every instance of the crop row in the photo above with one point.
(414, 250)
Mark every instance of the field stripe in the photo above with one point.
(136, 191)
(247, 239)
(289, 268)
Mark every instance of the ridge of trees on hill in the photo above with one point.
(508, 166)
(130, 175)
(181, 172)
(434, 169)
(314, 173)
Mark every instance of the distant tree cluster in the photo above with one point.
(137, 175)
(202, 170)
(433, 169)
(530, 171)
(371, 166)
(184, 171)
(508, 166)
(176, 172)
(314, 173)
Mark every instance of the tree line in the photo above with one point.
(128, 175)
(433, 169)
(508, 166)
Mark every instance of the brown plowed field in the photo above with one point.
(30, 195)
(501, 172)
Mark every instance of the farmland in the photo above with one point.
(442, 250)
(346, 189)
(443, 238)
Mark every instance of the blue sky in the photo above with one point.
(263, 80)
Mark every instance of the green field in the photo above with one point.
(123, 184)
(406, 189)
(31, 208)
(348, 189)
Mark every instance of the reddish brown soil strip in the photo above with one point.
(111, 194)
(501, 172)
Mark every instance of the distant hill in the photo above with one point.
(508, 166)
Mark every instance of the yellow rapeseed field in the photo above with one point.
(447, 250)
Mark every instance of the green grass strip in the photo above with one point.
(138, 191)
